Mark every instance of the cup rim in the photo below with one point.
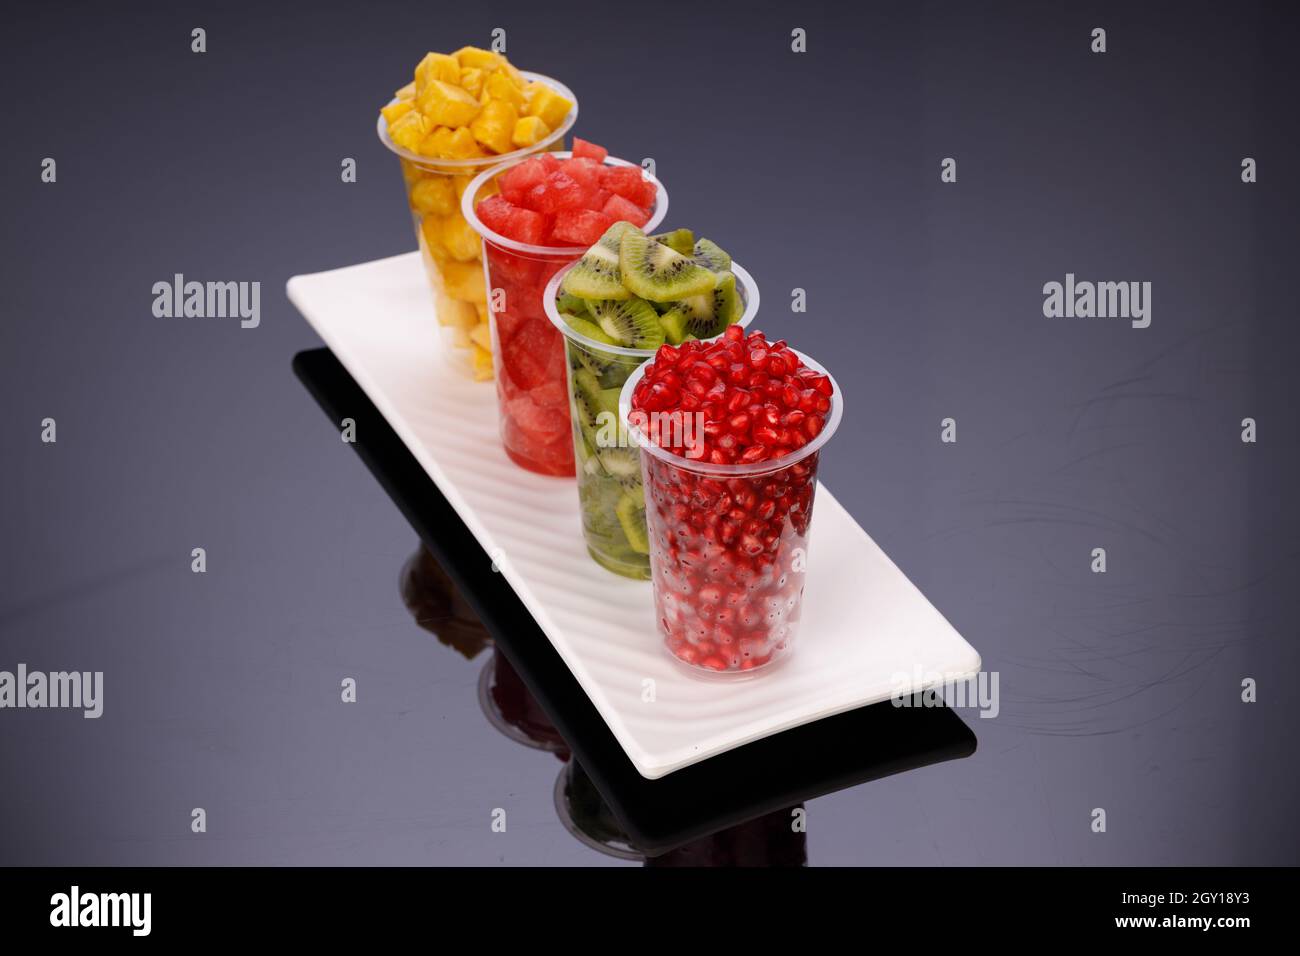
(471, 216)
(743, 279)
(455, 166)
(741, 470)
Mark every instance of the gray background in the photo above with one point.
(818, 171)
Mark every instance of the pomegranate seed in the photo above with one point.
(775, 366)
(738, 424)
(752, 454)
(734, 333)
(790, 396)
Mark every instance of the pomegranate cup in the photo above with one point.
(728, 546)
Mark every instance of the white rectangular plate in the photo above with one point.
(865, 626)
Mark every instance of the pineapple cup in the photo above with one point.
(449, 247)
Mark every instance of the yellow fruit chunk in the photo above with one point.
(464, 281)
(431, 235)
(437, 143)
(408, 130)
(458, 315)
(461, 338)
(460, 239)
(495, 124)
(436, 67)
(407, 92)
(549, 106)
(528, 130)
(463, 144)
(482, 309)
(498, 86)
(477, 58)
(482, 364)
(516, 77)
(471, 80)
(434, 195)
(395, 111)
(482, 337)
(447, 105)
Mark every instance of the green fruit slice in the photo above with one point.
(704, 316)
(570, 303)
(656, 272)
(679, 240)
(597, 275)
(587, 328)
(631, 518)
(631, 322)
(711, 256)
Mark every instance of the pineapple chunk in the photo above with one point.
(395, 111)
(461, 338)
(431, 236)
(471, 80)
(528, 130)
(464, 281)
(462, 183)
(437, 143)
(447, 105)
(547, 105)
(406, 93)
(482, 365)
(516, 77)
(482, 309)
(409, 129)
(478, 58)
(460, 239)
(434, 195)
(457, 314)
(434, 68)
(482, 337)
(499, 86)
(495, 124)
(463, 144)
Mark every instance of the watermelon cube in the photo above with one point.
(618, 208)
(584, 149)
(517, 180)
(506, 219)
(560, 191)
(580, 227)
(584, 171)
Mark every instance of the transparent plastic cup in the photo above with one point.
(609, 470)
(527, 351)
(728, 547)
(450, 249)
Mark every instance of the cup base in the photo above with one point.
(729, 676)
(537, 467)
(637, 572)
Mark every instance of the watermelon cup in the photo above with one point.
(728, 545)
(450, 249)
(527, 350)
(610, 492)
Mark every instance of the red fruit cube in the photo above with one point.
(628, 182)
(618, 208)
(517, 180)
(580, 227)
(524, 225)
(582, 148)
(549, 162)
(561, 191)
(585, 171)
(494, 212)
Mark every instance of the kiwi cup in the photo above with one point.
(610, 495)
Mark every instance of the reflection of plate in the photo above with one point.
(742, 784)
(866, 629)
(510, 708)
(585, 815)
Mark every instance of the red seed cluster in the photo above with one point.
(756, 399)
(728, 552)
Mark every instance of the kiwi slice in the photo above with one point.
(656, 272)
(711, 256)
(704, 316)
(631, 518)
(571, 304)
(679, 240)
(629, 322)
(587, 328)
(596, 274)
